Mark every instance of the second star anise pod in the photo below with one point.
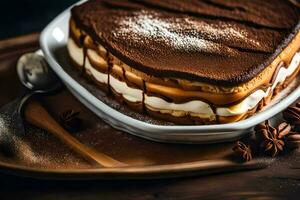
(272, 139)
(70, 120)
(292, 115)
(243, 151)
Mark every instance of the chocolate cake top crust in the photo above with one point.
(216, 41)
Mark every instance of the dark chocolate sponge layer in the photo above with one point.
(215, 41)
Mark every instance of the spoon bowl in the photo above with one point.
(35, 74)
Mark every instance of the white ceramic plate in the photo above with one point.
(55, 37)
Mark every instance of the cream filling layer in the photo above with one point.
(75, 52)
(128, 93)
(195, 108)
(192, 108)
(98, 76)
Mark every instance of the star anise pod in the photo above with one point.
(70, 120)
(272, 139)
(243, 151)
(292, 115)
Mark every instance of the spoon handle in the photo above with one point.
(37, 115)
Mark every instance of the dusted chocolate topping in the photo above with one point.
(222, 42)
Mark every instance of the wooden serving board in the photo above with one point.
(39, 154)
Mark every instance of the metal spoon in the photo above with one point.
(35, 74)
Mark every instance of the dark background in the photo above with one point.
(18, 17)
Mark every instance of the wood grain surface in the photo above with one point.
(281, 180)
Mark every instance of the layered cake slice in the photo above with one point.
(189, 62)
